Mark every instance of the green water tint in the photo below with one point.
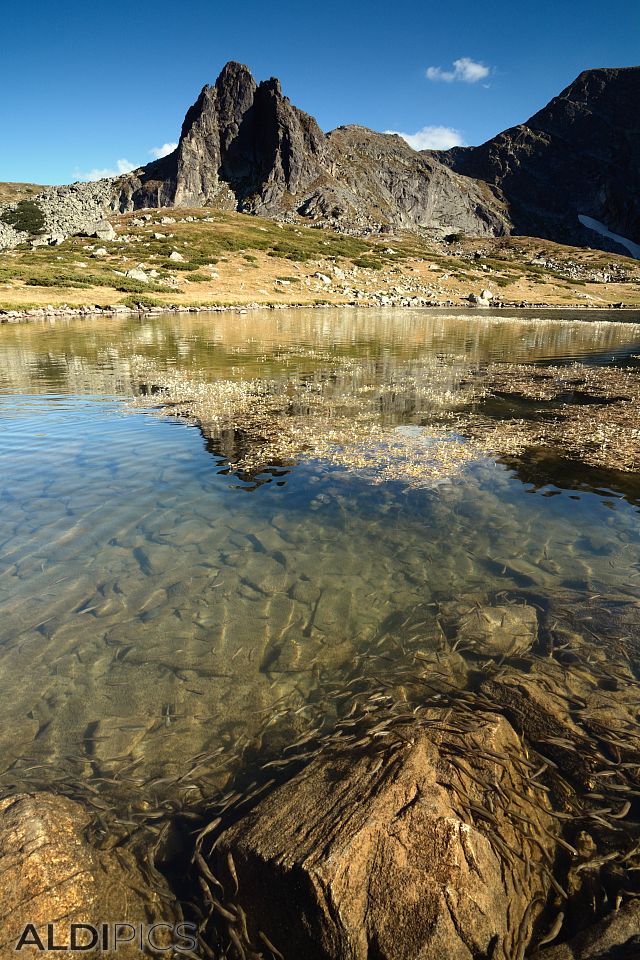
(168, 626)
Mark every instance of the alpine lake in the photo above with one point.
(226, 537)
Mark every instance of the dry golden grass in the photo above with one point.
(234, 259)
(12, 192)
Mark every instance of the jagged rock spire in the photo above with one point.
(247, 137)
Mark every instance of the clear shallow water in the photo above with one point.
(156, 607)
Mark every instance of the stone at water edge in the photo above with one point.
(50, 873)
(353, 859)
(478, 300)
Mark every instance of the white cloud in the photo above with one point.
(163, 151)
(465, 70)
(122, 166)
(432, 138)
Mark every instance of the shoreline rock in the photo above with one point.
(49, 873)
(416, 851)
(39, 313)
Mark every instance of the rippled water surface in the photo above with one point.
(158, 605)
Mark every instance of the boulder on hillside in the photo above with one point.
(102, 230)
(137, 274)
(426, 846)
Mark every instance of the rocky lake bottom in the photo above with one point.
(229, 542)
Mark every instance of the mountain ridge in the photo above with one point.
(578, 155)
(244, 146)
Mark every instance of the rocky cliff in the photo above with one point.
(244, 146)
(578, 156)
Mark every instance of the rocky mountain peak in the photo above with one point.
(234, 74)
(242, 144)
(601, 93)
(579, 156)
(273, 87)
(235, 91)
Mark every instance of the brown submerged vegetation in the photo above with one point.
(587, 413)
(298, 418)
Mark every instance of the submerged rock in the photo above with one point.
(50, 873)
(543, 712)
(616, 937)
(493, 631)
(414, 853)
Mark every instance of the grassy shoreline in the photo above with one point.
(208, 259)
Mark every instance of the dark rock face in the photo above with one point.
(289, 150)
(241, 145)
(578, 155)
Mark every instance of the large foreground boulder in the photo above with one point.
(427, 848)
(49, 874)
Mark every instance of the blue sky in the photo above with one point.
(87, 87)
